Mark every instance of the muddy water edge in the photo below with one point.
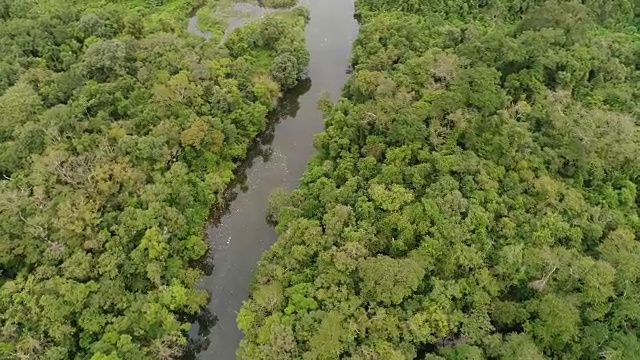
(239, 236)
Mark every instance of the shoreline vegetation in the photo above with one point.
(119, 133)
(474, 194)
(220, 18)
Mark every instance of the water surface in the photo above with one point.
(242, 234)
(238, 15)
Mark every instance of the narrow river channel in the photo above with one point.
(242, 234)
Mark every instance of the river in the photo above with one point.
(242, 234)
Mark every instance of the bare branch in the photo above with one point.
(540, 284)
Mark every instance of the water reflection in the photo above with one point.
(287, 107)
(261, 149)
(237, 15)
(278, 159)
(198, 336)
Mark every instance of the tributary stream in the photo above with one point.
(241, 235)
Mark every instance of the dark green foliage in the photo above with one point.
(611, 13)
(284, 70)
(474, 195)
(117, 136)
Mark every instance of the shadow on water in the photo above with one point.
(287, 108)
(201, 325)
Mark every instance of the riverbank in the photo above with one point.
(243, 233)
(216, 20)
(121, 132)
(474, 196)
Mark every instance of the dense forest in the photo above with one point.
(474, 195)
(118, 133)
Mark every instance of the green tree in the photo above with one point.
(284, 70)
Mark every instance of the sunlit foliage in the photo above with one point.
(474, 194)
(118, 133)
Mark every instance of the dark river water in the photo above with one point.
(242, 234)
